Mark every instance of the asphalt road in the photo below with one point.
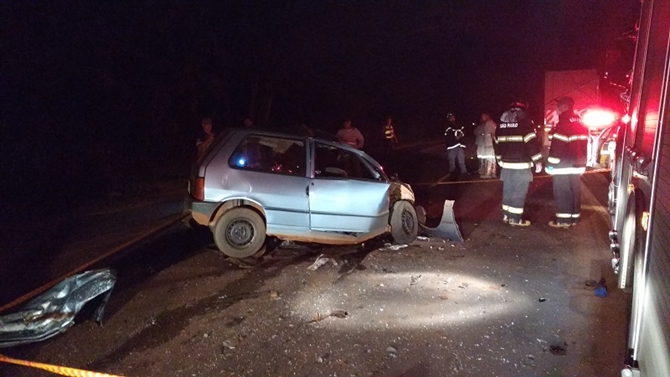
(506, 302)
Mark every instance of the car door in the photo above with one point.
(271, 171)
(347, 193)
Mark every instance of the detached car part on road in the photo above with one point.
(54, 311)
(251, 184)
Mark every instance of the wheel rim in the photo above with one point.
(407, 222)
(240, 232)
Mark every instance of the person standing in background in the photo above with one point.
(390, 140)
(350, 135)
(455, 149)
(484, 134)
(205, 137)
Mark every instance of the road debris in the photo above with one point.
(230, 344)
(447, 228)
(245, 263)
(422, 238)
(542, 299)
(415, 279)
(560, 350)
(601, 291)
(388, 246)
(53, 312)
(337, 313)
(320, 261)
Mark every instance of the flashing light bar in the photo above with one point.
(598, 118)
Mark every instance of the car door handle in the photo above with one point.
(307, 190)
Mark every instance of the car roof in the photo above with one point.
(266, 132)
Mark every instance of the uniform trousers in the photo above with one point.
(567, 197)
(515, 188)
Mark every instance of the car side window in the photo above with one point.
(334, 162)
(270, 155)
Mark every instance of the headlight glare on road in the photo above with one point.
(411, 300)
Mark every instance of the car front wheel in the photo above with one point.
(404, 223)
(240, 233)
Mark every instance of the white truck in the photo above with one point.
(640, 198)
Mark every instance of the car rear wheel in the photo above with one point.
(240, 233)
(404, 223)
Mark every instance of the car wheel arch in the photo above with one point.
(235, 203)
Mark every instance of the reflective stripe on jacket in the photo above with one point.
(452, 135)
(567, 153)
(516, 143)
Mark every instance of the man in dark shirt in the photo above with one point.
(453, 136)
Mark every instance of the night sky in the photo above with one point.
(104, 92)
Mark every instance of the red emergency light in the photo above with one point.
(598, 118)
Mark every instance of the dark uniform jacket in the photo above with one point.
(567, 154)
(516, 144)
(452, 136)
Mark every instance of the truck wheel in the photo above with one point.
(240, 233)
(404, 223)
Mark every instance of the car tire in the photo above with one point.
(404, 222)
(240, 233)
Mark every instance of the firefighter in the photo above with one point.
(453, 136)
(566, 163)
(390, 139)
(517, 150)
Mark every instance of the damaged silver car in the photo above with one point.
(251, 184)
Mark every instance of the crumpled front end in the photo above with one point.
(53, 312)
(401, 191)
